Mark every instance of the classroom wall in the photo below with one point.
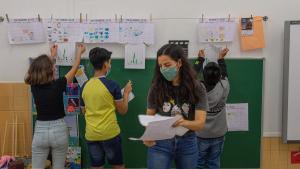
(14, 58)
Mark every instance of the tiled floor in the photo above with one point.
(276, 155)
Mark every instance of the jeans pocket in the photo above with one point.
(61, 136)
(39, 139)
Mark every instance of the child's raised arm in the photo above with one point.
(70, 75)
(221, 62)
(198, 65)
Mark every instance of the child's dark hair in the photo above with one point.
(188, 82)
(40, 71)
(211, 74)
(98, 56)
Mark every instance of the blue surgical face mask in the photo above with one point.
(169, 73)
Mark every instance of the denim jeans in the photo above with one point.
(183, 150)
(111, 150)
(210, 151)
(50, 134)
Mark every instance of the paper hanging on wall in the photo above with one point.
(216, 30)
(73, 160)
(237, 117)
(81, 76)
(135, 56)
(257, 39)
(101, 31)
(136, 31)
(72, 125)
(64, 30)
(65, 54)
(247, 26)
(26, 31)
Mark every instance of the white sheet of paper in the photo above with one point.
(135, 56)
(72, 125)
(212, 52)
(136, 31)
(216, 30)
(237, 117)
(146, 119)
(101, 31)
(130, 97)
(65, 54)
(64, 30)
(26, 31)
(159, 127)
(81, 76)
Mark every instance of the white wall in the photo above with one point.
(14, 59)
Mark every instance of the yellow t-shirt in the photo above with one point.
(98, 98)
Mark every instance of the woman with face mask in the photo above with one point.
(175, 91)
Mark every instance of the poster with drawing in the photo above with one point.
(135, 56)
(136, 31)
(80, 76)
(217, 30)
(72, 124)
(26, 31)
(73, 160)
(64, 30)
(101, 31)
(237, 117)
(65, 54)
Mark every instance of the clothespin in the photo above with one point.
(86, 18)
(39, 18)
(1, 18)
(251, 17)
(121, 18)
(80, 18)
(202, 17)
(116, 17)
(151, 17)
(265, 18)
(229, 17)
(7, 17)
(51, 18)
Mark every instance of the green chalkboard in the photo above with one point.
(241, 150)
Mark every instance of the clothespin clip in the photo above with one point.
(229, 17)
(146, 44)
(202, 17)
(51, 18)
(86, 17)
(1, 18)
(116, 17)
(7, 17)
(80, 18)
(151, 17)
(121, 18)
(265, 18)
(251, 17)
(39, 18)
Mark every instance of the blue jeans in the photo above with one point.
(111, 149)
(210, 151)
(50, 134)
(183, 150)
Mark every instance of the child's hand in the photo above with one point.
(223, 53)
(53, 51)
(201, 53)
(81, 49)
(149, 143)
(128, 87)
